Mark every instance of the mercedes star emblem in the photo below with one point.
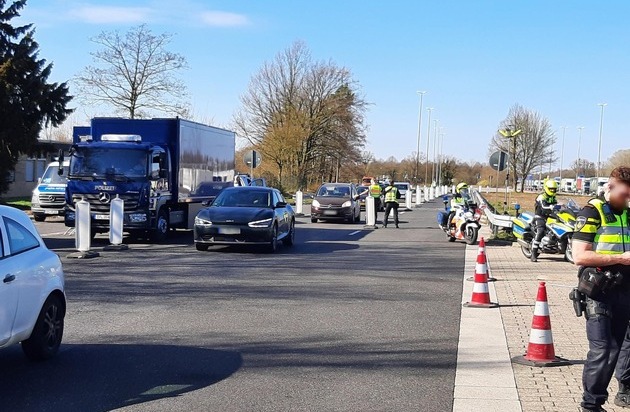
(104, 197)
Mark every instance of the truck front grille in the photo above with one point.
(52, 199)
(96, 205)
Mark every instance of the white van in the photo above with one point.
(403, 188)
(49, 196)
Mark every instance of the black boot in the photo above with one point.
(623, 396)
(534, 256)
(595, 409)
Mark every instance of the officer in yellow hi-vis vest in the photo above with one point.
(391, 203)
(601, 247)
(375, 192)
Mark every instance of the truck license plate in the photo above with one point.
(51, 212)
(101, 217)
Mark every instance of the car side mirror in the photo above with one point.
(280, 205)
(207, 203)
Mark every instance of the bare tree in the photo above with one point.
(531, 148)
(302, 114)
(135, 73)
(619, 158)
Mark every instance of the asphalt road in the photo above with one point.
(346, 320)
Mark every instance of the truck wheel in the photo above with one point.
(39, 217)
(46, 337)
(160, 233)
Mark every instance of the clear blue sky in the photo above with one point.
(475, 59)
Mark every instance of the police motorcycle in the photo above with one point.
(558, 232)
(465, 223)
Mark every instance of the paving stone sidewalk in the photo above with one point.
(556, 389)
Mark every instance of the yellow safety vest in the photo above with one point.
(375, 191)
(613, 235)
(390, 194)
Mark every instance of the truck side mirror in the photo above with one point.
(60, 168)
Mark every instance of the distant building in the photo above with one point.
(30, 167)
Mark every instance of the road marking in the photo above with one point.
(354, 233)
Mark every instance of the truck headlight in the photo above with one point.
(261, 223)
(202, 222)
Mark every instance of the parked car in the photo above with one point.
(336, 201)
(32, 297)
(246, 215)
(49, 196)
(210, 190)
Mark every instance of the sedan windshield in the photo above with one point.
(334, 191)
(243, 198)
(102, 162)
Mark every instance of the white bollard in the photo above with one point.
(453, 189)
(369, 212)
(418, 196)
(82, 231)
(299, 203)
(408, 200)
(116, 219)
(431, 193)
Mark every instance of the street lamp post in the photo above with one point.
(421, 93)
(435, 137)
(441, 157)
(579, 161)
(426, 170)
(564, 131)
(599, 146)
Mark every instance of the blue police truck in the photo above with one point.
(154, 165)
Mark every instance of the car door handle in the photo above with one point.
(9, 278)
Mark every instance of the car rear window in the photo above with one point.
(20, 238)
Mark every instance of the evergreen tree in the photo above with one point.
(27, 101)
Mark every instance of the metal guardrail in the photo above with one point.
(495, 221)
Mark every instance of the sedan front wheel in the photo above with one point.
(46, 337)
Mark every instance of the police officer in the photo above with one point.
(545, 204)
(375, 192)
(392, 194)
(601, 242)
(458, 201)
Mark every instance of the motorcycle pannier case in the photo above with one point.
(442, 217)
(521, 224)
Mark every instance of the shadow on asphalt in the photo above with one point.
(79, 378)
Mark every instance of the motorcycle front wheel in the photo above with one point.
(527, 252)
(471, 235)
(568, 253)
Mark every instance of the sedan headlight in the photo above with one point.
(202, 222)
(315, 203)
(346, 204)
(261, 223)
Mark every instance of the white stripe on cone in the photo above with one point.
(481, 268)
(541, 337)
(541, 309)
(480, 288)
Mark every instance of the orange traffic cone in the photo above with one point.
(482, 249)
(481, 295)
(540, 350)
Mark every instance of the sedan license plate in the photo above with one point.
(229, 231)
(330, 212)
(101, 217)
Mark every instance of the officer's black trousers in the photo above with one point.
(389, 206)
(609, 347)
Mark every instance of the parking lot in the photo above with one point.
(347, 319)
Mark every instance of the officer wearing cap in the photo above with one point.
(601, 244)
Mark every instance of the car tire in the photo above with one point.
(39, 217)
(160, 233)
(272, 247)
(202, 247)
(47, 333)
(313, 220)
(289, 240)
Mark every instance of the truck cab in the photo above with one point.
(49, 195)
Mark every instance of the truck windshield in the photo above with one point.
(51, 176)
(102, 162)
